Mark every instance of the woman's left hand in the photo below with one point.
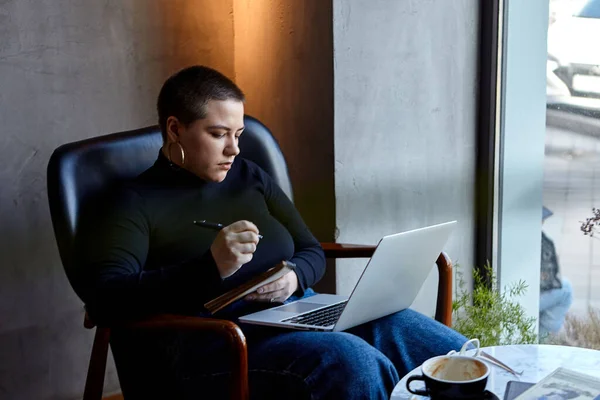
(279, 290)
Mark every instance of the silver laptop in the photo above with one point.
(390, 283)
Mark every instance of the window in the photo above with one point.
(572, 161)
(563, 155)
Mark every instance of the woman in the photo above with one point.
(149, 257)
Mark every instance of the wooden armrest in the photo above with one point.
(227, 329)
(184, 322)
(342, 250)
(443, 310)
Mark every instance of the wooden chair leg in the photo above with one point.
(94, 383)
(443, 311)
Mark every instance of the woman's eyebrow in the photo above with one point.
(224, 127)
(219, 127)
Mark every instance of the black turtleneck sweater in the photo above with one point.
(146, 255)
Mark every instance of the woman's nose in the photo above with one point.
(232, 148)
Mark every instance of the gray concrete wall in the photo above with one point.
(284, 63)
(71, 69)
(405, 82)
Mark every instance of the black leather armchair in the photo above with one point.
(82, 171)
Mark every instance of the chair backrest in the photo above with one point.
(82, 171)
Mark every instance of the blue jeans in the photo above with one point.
(554, 305)
(365, 362)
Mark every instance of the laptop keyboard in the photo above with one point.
(321, 317)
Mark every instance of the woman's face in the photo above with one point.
(210, 144)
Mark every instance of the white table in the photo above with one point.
(537, 361)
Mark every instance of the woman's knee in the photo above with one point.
(351, 351)
(409, 324)
(405, 320)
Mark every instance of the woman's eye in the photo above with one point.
(217, 135)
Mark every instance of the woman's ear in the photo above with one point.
(173, 127)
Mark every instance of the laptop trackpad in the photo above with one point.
(300, 307)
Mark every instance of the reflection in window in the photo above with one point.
(571, 168)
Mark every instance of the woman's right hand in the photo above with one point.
(234, 246)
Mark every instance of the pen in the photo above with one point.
(212, 225)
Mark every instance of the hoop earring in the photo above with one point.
(180, 149)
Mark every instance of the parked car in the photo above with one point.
(574, 45)
(557, 92)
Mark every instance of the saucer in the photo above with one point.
(487, 395)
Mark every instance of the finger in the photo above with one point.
(242, 226)
(267, 297)
(245, 248)
(242, 258)
(246, 237)
(272, 287)
(245, 258)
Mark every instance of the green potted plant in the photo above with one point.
(490, 314)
